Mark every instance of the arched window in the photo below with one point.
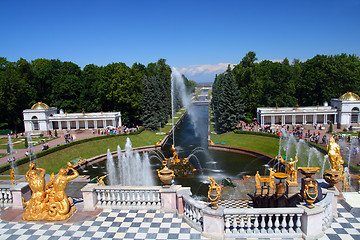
(35, 123)
(355, 115)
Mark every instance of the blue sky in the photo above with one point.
(199, 38)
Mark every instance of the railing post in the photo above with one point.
(213, 222)
(180, 200)
(89, 196)
(19, 191)
(311, 222)
(168, 197)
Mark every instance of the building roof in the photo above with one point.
(350, 96)
(39, 105)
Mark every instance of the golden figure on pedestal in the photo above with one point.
(214, 192)
(50, 204)
(291, 171)
(335, 158)
(12, 176)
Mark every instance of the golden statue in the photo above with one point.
(52, 204)
(335, 158)
(12, 176)
(36, 206)
(175, 158)
(214, 192)
(291, 171)
(100, 180)
(272, 178)
(257, 179)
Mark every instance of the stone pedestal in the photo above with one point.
(19, 191)
(89, 196)
(180, 200)
(311, 222)
(292, 188)
(168, 197)
(213, 222)
(351, 202)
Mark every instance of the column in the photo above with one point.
(304, 119)
(272, 120)
(262, 120)
(68, 125)
(325, 118)
(86, 124)
(95, 124)
(283, 119)
(335, 119)
(104, 123)
(315, 118)
(120, 123)
(293, 119)
(77, 124)
(59, 124)
(89, 196)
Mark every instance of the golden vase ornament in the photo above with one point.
(214, 193)
(166, 175)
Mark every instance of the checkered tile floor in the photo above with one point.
(110, 224)
(145, 224)
(346, 226)
(236, 203)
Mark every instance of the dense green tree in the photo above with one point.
(227, 105)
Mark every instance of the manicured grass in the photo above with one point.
(268, 145)
(54, 161)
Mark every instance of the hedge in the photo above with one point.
(58, 148)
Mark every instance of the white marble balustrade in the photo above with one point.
(6, 197)
(128, 197)
(327, 215)
(193, 212)
(263, 222)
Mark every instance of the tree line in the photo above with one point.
(114, 87)
(285, 84)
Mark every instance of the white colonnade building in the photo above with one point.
(41, 118)
(343, 111)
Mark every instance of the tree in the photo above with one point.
(227, 105)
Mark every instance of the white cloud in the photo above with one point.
(204, 69)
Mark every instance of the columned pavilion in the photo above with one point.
(41, 118)
(343, 111)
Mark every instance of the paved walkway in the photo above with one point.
(142, 224)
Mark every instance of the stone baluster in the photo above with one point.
(234, 224)
(298, 223)
(291, 223)
(270, 224)
(284, 224)
(227, 224)
(256, 223)
(242, 224)
(277, 223)
(263, 224)
(249, 230)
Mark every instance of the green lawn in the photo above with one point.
(54, 161)
(268, 145)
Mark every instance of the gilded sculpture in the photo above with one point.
(214, 192)
(12, 176)
(335, 158)
(291, 170)
(49, 202)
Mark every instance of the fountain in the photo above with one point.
(131, 169)
(11, 152)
